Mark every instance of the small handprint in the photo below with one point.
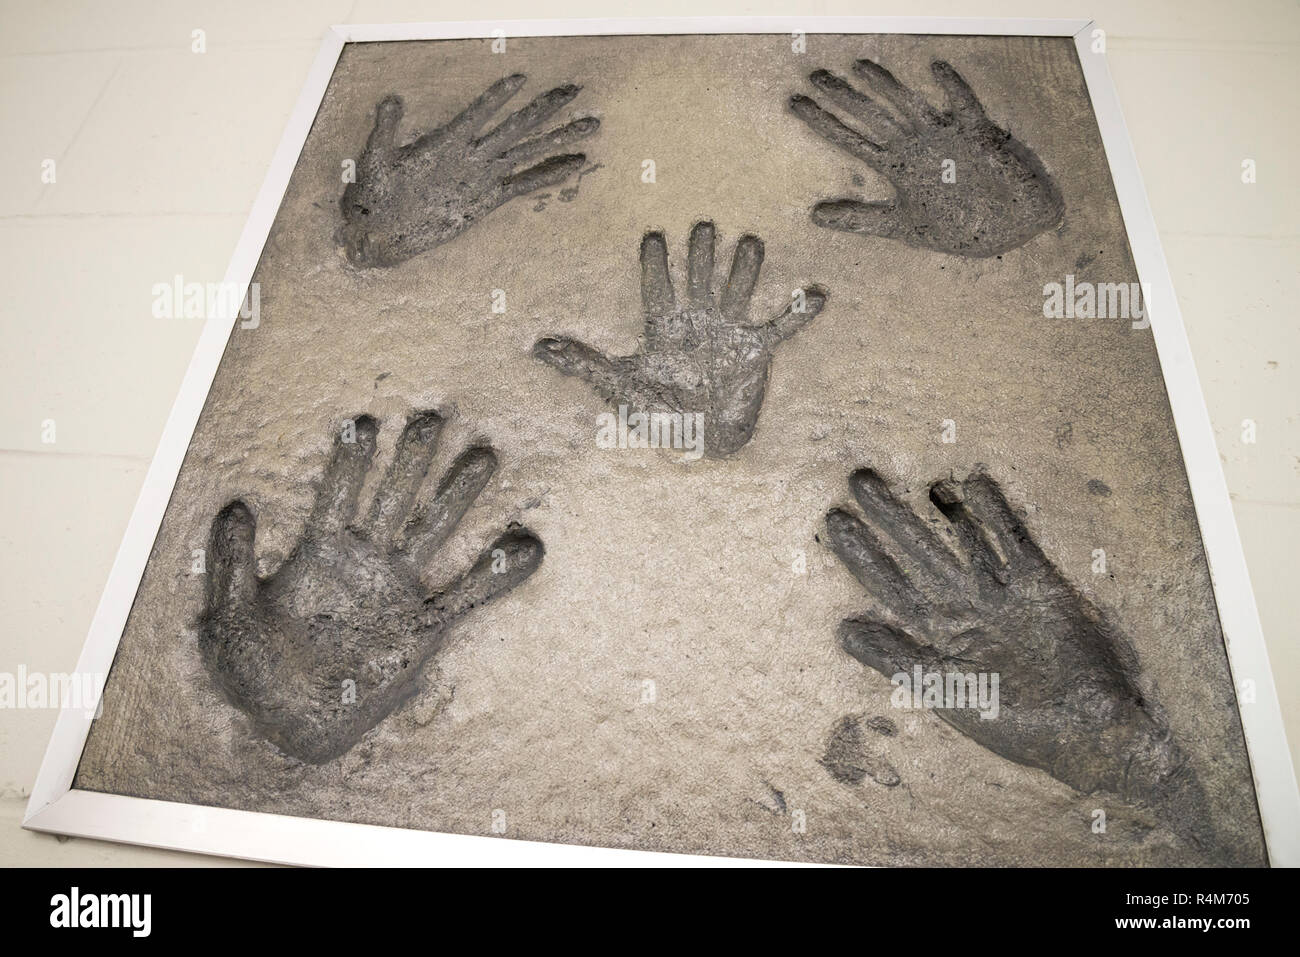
(1069, 701)
(408, 199)
(700, 355)
(963, 185)
(328, 646)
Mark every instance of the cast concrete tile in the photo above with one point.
(689, 576)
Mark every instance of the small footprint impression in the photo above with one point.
(855, 751)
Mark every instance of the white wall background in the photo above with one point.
(159, 153)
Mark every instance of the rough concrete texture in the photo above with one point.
(672, 675)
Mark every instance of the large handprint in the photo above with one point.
(324, 649)
(1069, 702)
(700, 355)
(964, 185)
(408, 199)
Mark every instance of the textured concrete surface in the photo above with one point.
(670, 677)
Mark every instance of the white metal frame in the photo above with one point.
(58, 808)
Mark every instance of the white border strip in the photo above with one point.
(282, 839)
(55, 807)
(666, 26)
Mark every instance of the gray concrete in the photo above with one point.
(671, 677)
